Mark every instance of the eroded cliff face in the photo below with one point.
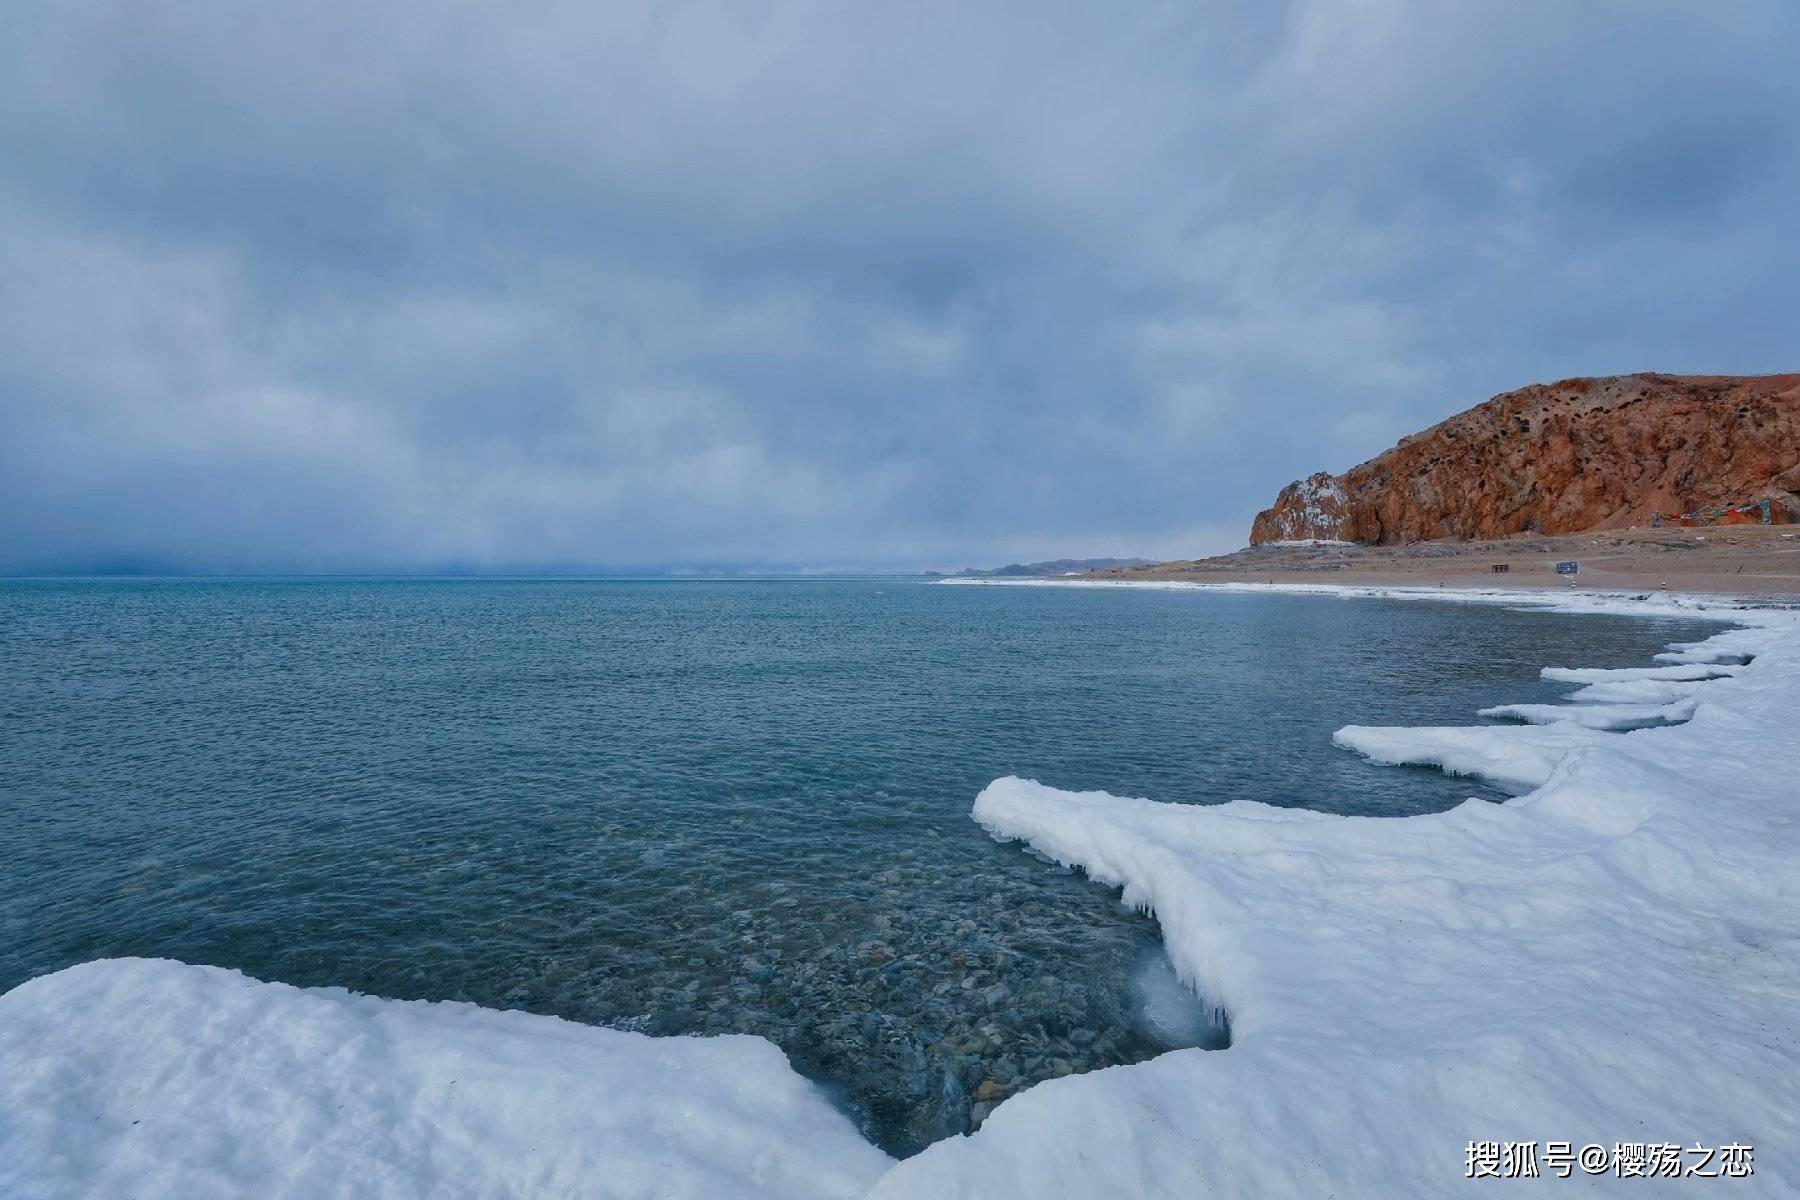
(1563, 458)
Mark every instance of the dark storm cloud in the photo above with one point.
(344, 286)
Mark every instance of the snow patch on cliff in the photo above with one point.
(1310, 510)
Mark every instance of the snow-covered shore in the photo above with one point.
(1612, 957)
(148, 1078)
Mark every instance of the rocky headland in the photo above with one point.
(1563, 458)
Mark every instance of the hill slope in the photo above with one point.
(1055, 566)
(1561, 458)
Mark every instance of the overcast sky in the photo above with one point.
(337, 285)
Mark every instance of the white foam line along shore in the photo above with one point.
(1613, 956)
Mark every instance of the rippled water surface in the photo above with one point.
(694, 807)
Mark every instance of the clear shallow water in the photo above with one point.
(695, 807)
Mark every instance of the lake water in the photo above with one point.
(696, 806)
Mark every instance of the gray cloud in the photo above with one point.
(343, 286)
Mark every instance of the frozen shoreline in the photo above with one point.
(1639, 601)
(1718, 560)
(1608, 958)
(1612, 957)
(135, 1077)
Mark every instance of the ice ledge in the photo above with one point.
(1597, 716)
(148, 1078)
(1613, 957)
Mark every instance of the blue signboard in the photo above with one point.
(1568, 568)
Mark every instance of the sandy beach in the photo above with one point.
(1742, 560)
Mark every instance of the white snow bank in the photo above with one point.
(1701, 652)
(1686, 673)
(1612, 958)
(1510, 757)
(1636, 691)
(147, 1078)
(1596, 716)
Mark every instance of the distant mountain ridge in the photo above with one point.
(1607, 453)
(1055, 566)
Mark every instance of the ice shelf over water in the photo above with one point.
(1613, 956)
(1597, 716)
(147, 1078)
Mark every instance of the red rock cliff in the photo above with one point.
(1562, 458)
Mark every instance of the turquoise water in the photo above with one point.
(694, 807)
